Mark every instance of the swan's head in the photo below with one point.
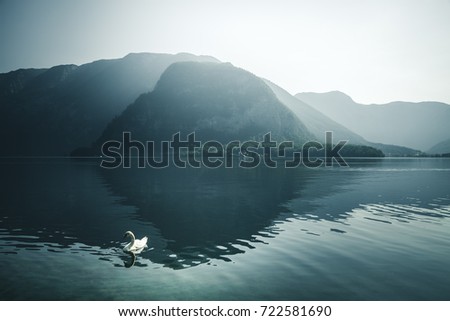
(128, 234)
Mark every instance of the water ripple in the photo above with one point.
(404, 212)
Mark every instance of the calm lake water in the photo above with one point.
(378, 230)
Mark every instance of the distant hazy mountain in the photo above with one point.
(318, 124)
(414, 125)
(49, 112)
(440, 148)
(217, 101)
(314, 120)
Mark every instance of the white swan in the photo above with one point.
(135, 246)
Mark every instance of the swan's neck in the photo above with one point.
(133, 238)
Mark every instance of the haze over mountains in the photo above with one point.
(216, 101)
(317, 122)
(414, 125)
(440, 148)
(51, 112)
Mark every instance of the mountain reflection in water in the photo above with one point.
(199, 214)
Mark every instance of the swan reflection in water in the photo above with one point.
(135, 246)
(129, 263)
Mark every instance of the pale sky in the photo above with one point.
(376, 51)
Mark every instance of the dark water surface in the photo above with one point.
(378, 230)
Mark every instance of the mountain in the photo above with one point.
(13, 82)
(318, 123)
(314, 120)
(414, 125)
(440, 148)
(49, 112)
(218, 101)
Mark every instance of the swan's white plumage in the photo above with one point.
(135, 246)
